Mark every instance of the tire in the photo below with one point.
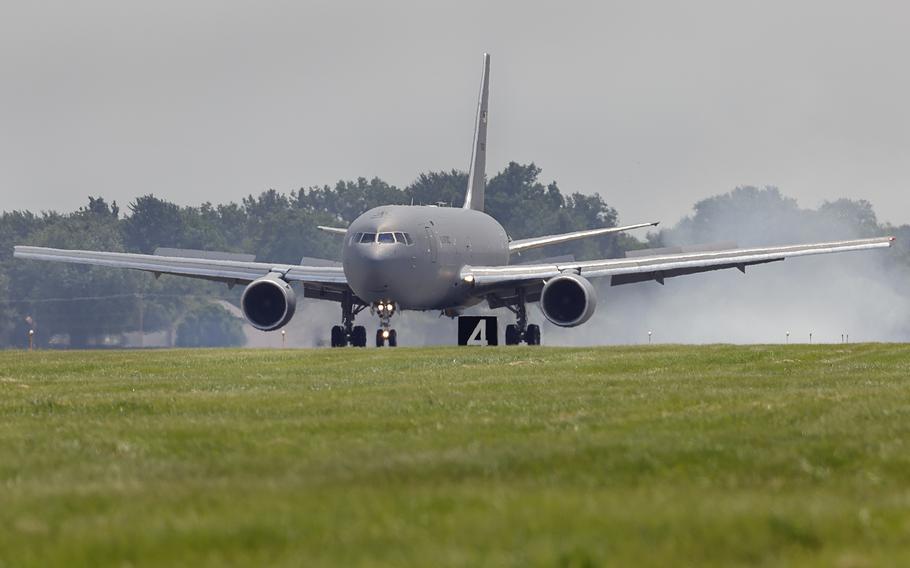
(359, 336)
(512, 334)
(532, 335)
(393, 338)
(380, 341)
(337, 336)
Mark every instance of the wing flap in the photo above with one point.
(222, 270)
(660, 275)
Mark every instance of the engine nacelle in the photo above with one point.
(568, 300)
(268, 303)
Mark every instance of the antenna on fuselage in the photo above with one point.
(476, 182)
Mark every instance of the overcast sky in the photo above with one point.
(654, 105)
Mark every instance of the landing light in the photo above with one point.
(385, 334)
(469, 278)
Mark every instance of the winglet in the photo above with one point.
(476, 175)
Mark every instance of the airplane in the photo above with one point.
(420, 257)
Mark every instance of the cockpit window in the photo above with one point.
(384, 238)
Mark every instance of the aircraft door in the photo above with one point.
(432, 245)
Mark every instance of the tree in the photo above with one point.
(153, 223)
(747, 215)
(348, 200)
(279, 229)
(15, 228)
(79, 301)
(438, 187)
(845, 218)
(526, 208)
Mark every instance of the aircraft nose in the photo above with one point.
(373, 257)
(371, 270)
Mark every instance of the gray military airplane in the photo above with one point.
(441, 258)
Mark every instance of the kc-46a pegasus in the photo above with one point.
(421, 257)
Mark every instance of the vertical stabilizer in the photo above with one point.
(476, 175)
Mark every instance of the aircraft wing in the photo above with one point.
(658, 267)
(222, 270)
(535, 242)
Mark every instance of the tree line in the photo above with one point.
(80, 306)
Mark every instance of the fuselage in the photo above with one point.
(413, 255)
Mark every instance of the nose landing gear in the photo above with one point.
(385, 334)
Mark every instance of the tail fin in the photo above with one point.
(476, 182)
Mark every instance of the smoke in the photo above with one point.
(825, 297)
(862, 295)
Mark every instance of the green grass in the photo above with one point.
(663, 455)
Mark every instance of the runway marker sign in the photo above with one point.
(478, 330)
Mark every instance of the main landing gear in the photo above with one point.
(385, 335)
(347, 333)
(522, 331)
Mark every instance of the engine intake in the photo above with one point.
(568, 300)
(268, 303)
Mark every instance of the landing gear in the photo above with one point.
(385, 335)
(532, 335)
(356, 335)
(338, 339)
(347, 333)
(513, 336)
(521, 331)
(359, 336)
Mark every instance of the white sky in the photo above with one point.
(654, 105)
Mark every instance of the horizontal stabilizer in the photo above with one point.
(535, 242)
(334, 230)
(207, 254)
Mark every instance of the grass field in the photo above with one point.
(663, 455)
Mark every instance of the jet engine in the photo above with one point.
(268, 303)
(568, 300)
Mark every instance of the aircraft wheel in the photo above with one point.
(532, 335)
(380, 340)
(359, 336)
(337, 336)
(512, 335)
(393, 338)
